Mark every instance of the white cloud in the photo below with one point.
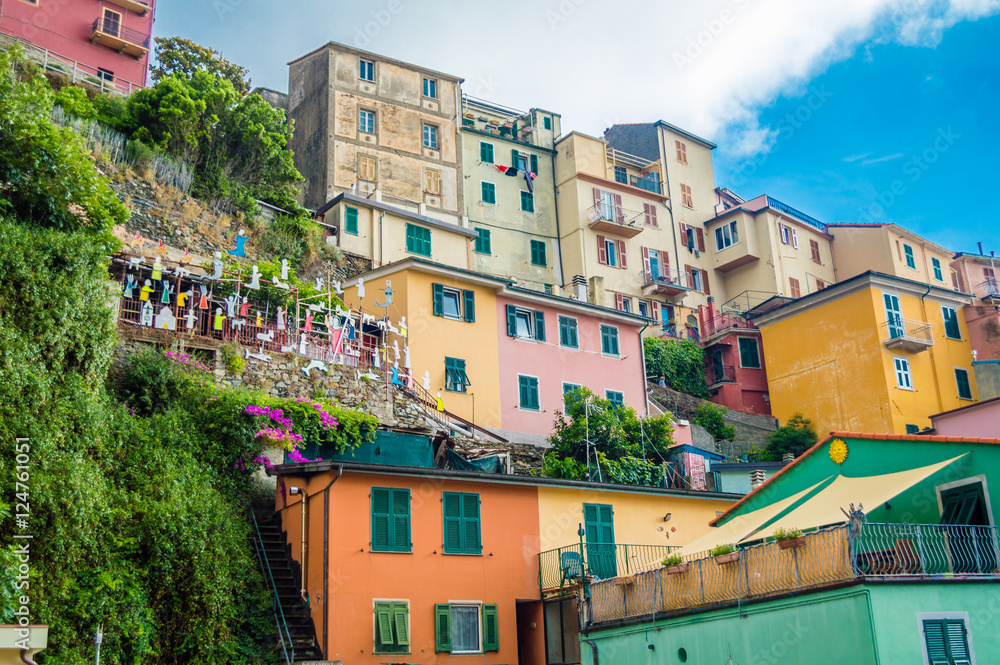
(878, 160)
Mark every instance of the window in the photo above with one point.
(112, 23)
(537, 253)
(104, 74)
(649, 214)
(726, 235)
(567, 389)
(908, 253)
(433, 181)
(609, 340)
(525, 323)
(462, 528)
(430, 137)
(367, 167)
(936, 264)
(962, 380)
(547, 122)
(788, 235)
(517, 160)
(528, 392)
(430, 88)
(390, 520)
(351, 220)
(527, 201)
(616, 398)
(366, 121)
(418, 240)
(466, 628)
(644, 308)
(749, 353)
(392, 626)
(946, 641)
(814, 250)
(651, 264)
(820, 285)
(486, 152)
(367, 70)
(568, 333)
(682, 152)
(483, 245)
(794, 288)
(621, 175)
(687, 199)
(903, 379)
(489, 191)
(951, 328)
(455, 378)
(611, 252)
(534, 164)
(624, 302)
(453, 303)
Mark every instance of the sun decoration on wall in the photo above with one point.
(838, 451)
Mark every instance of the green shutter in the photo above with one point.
(567, 332)
(964, 388)
(470, 305)
(400, 611)
(383, 620)
(351, 220)
(438, 291)
(946, 642)
(538, 253)
(539, 325)
(528, 388)
(380, 518)
(471, 534)
(512, 320)
(534, 164)
(482, 245)
(516, 162)
(491, 632)
(951, 329)
(452, 510)
(442, 628)
(401, 520)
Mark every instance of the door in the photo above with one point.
(893, 315)
(972, 549)
(599, 527)
(654, 264)
(718, 367)
(608, 206)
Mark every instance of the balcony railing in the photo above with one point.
(719, 374)
(990, 288)
(823, 558)
(647, 182)
(77, 72)
(140, 7)
(122, 39)
(681, 331)
(726, 322)
(610, 218)
(574, 565)
(906, 334)
(797, 214)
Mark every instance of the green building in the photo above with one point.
(889, 554)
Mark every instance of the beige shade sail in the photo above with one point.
(740, 526)
(823, 509)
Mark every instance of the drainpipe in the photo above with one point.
(642, 354)
(670, 208)
(930, 350)
(555, 195)
(593, 648)
(303, 538)
(326, 558)
(380, 225)
(26, 657)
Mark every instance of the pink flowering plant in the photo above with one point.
(291, 424)
(186, 360)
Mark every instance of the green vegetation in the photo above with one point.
(719, 550)
(795, 437)
(231, 358)
(181, 56)
(781, 533)
(622, 451)
(680, 361)
(711, 417)
(673, 560)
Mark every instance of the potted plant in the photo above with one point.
(725, 554)
(789, 538)
(675, 564)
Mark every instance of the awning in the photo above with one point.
(823, 509)
(740, 526)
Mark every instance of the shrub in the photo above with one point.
(795, 437)
(782, 533)
(680, 361)
(674, 559)
(724, 548)
(232, 359)
(74, 101)
(711, 417)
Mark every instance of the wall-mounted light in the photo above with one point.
(295, 490)
(666, 518)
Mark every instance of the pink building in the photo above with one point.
(103, 42)
(551, 344)
(981, 419)
(734, 361)
(976, 274)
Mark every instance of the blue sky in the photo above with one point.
(855, 111)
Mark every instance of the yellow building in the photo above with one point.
(889, 249)
(874, 353)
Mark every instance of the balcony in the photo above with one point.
(990, 290)
(720, 374)
(138, 6)
(673, 284)
(912, 336)
(797, 214)
(649, 182)
(123, 40)
(616, 220)
(568, 567)
(681, 331)
(725, 323)
(879, 552)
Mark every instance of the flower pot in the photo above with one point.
(791, 543)
(625, 580)
(724, 559)
(677, 569)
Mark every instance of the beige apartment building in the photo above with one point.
(365, 122)
(515, 223)
(892, 250)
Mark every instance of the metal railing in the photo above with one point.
(614, 214)
(575, 564)
(125, 34)
(721, 374)
(681, 331)
(898, 328)
(284, 635)
(991, 288)
(798, 214)
(77, 72)
(650, 184)
(820, 558)
(725, 322)
(678, 278)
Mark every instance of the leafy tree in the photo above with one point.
(622, 450)
(47, 177)
(712, 418)
(795, 437)
(74, 101)
(680, 361)
(181, 56)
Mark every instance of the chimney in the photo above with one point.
(757, 478)
(378, 195)
(580, 288)
(788, 457)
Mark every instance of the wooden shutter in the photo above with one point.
(383, 618)
(438, 291)
(650, 209)
(619, 211)
(401, 520)
(516, 162)
(795, 238)
(381, 519)
(452, 509)
(619, 302)
(665, 261)
(534, 164)
(687, 276)
(602, 249)
(539, 325)
(442, 628)
(491, 633)
(471, 533)
(597, 199)
(794, 287)
(656, 310)
(399, 611)
(512, 320)
(621, 254)
(469, 298)
(647, 271)
(701, 239)
(704, 282)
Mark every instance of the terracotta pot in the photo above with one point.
(724, 559)
(791, 543)
(624, 580)
(676, 570)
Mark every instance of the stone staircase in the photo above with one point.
(301, 633)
